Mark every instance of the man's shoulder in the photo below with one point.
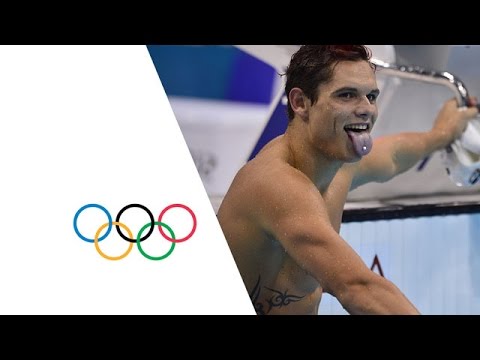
(276, 184)
(273, 173)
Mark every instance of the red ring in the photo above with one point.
(191, 232)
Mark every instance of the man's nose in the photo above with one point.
(365, 109)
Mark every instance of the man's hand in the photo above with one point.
(452, 120)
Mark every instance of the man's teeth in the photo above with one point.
(356, 127)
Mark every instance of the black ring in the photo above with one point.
(152, 222)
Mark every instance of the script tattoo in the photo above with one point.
(278, 299)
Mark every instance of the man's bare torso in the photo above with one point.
(276, 283)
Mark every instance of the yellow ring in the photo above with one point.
(97, 235)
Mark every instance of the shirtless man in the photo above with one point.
(282, 213)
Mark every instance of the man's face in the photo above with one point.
(341, 120)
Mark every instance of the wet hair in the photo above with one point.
(313, 65)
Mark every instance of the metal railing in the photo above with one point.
(427, 76)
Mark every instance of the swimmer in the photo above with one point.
(282, 213)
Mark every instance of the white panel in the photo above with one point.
(92, 124)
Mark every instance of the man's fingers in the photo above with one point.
(472, 111)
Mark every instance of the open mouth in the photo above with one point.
(360, 137)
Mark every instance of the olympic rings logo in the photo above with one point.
(131, 239)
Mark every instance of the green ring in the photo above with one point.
(155, 257)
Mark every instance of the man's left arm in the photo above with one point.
(394, 154)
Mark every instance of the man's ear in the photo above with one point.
(299, 102)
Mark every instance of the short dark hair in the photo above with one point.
(313, 65)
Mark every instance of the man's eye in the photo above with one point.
(372, 97)
(347, 95)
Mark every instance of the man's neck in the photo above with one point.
(309, 159)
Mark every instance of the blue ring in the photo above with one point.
(86, 207)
